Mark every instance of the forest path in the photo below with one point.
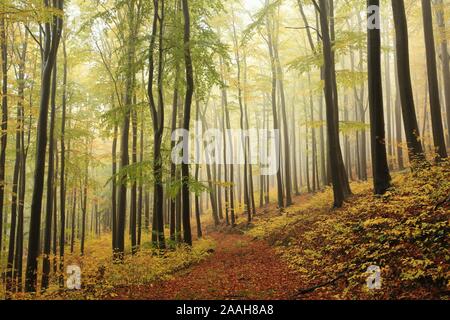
(240, 268)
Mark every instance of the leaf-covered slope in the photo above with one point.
(405, 233)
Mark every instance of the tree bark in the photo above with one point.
(380, 168)
(333, 138)
(433, 84)
(405, 87)
(187, 118)
(50, 189)
(51, 43)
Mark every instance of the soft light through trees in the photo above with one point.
(93, 94)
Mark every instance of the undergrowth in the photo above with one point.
(101, 276)
(405, 233)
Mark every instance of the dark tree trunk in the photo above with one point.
(187, 119)
(133, 200)
(274, 111)
(51, 44)
(50, 189)
(212, 191)
(4, 124)
(333, 138)
(287, 152)
(10, 268)
(404, 78)
(197, 197)
(387, 55)
(157, 114)
(244, 138)
(125, 128)
(248, 149)
(398, 120)
(380, 168)
(16, 235)
(62, 187)
(433, 84)
(74, 209)
(445, 57)
(84, 204)
(141, 187)
(114, 184)
(173, 167)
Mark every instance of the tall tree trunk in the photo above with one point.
(287, 156)
(380, 168)
(244, 138)
(62, 184)
(125, 128)
(274, 111)
(84, 202)
(433, 84)
(405, 87)
(133, 200)
(173, 167)
(114, 184)
(157, 113)
(445, 58)
(16, 235)
(50, 189)
(333, 138)
(387, 56)
(248, 149)
(187, 118)
(141, 187)
(74, 209)
(212, 191)
(197, 177)
(4, 124)
(227, 153)
(18, 259)
(51, 43)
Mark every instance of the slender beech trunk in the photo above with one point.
(133, 199)
(141, 187)
(62, 183)
(84, 202)
(433, 84)
(333, 138)
(16, 228)
(380, 168)
(445, 59)
(173, 167)
(4, 124)
(244, 138)
(187, 118)
(114, 183)
(74, 210)
(51, 43)
(274, 110)
(157, 113)
(125, 128)
(50, 189)
(405, 87)
(287, 152)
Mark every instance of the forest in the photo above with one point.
(231, 150)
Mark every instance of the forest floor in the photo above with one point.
(307, 251)
(310, 251)
(240, 268)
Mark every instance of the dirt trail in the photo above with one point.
(240, 268)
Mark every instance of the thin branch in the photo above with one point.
(34, 38)
(307, 27)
